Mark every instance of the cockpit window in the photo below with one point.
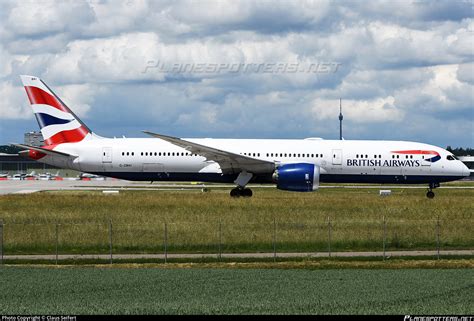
(451, 157)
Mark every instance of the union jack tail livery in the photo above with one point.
(57, 122)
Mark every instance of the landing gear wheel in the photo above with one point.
(235, 192)
(430, 194)
(246, 192)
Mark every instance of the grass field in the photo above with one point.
(209, 222)
(235, 291)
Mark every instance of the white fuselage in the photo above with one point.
(154, 159)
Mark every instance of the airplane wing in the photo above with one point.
(230, 163)
(43, 150)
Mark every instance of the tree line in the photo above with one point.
(459, 151)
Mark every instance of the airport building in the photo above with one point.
(14, 164)
(34, 139)
(11, 163)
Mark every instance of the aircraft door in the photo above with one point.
(107, 155)
(337, 157)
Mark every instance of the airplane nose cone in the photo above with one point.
(466, 171)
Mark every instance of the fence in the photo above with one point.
(218, 238)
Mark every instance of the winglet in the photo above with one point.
(158, 135)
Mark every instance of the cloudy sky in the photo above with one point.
(244, 69)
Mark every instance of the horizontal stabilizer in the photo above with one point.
(43, 150)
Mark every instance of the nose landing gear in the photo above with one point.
(430, 194)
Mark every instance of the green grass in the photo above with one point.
(235, 291)
(199, 222)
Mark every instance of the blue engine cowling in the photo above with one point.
(298, 177)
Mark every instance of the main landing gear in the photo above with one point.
(430, 193)
(241, 181)
(239, 191)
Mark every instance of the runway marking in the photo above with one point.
(26, 191)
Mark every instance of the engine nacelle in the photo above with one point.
(298, 177)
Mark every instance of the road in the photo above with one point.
(162, 256)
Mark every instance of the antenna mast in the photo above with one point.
(340, 119)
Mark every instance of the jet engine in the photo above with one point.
(298, 177)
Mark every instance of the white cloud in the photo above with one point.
(78, 97)
(31, 18)
(14, 103)
(113, 17)
(6, 59)
(465, 73)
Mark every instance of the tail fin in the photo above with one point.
(57, 122)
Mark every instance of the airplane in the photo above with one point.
(31, 176)
(292, 164)
(55, 177)
(44, 177)
(88, 175)
(24, 176)
(17, 177)
(48, 176)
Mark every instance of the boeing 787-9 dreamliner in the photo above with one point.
(292, 164)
